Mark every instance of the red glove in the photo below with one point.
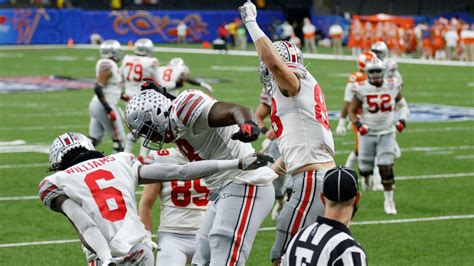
(248, 132)
(112, 116)
(400, 125)
(363, 129)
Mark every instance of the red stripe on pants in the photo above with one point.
(301, 211)
(243, 224)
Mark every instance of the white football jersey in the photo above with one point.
(301, 124)
(378, 105)
(105, 189)
(113, 89)
(135, 68)
(198, 141)
(183, 201)
(170, 77)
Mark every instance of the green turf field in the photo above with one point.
(442, 149)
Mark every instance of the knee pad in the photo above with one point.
(386, 173)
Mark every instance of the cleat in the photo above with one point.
(389, 207)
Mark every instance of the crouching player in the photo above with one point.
(380, 99)
(97, 194)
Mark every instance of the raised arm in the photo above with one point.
(288, 82)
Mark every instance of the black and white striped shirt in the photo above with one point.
(326, 242)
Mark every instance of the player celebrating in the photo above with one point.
(300, 121)
(97, 194)
(183, 201)
(175, 74)
(270, 147)
(378, 98)
(134, 69)
(103, 108)
(204, 129)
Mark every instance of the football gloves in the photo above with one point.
(363, 129)
(254, 161)
(400, 125)
(341, 129)
(112, 115)
(248, 12)
(248, 132)
(153, 84)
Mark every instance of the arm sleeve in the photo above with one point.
(349, 92)
(166, 172)
(402, 109)
(88, 229)
(48, 191)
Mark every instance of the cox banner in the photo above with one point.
(53, 26)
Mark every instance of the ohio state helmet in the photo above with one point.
(64, 144)
(287, 51)
(177, 61)
(143, 47)
(391, 67)
(363, 58)
(147, 115)
(380, 49)
(375, 71)
(111, 49)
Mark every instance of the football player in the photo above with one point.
(142, 64)
(103, 110)
(175, 74)
(183, 201)
(204, 129)
(270, 147)
(341, 129)
(380, 99)
(97, 194)
(300, 122)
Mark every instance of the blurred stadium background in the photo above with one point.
(47, 75)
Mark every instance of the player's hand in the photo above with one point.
(400, 125)
(125, 97)
(363, 129)
(112, 116)
(153, 84)
(248, 132)
(341, 129)
(117, 146)
(254, 161)
(134, 258)
(270, 134)
(149, 242)
(248, 12)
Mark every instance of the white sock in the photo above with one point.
(351, 160)
(388, 195)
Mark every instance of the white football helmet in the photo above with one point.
(391, 68)
(289, 52)
(363, 58)
(64, 144)
(380, 49)
(177, 61)
(111, 49)
(375, 70)
(147, 115)
(143, 47)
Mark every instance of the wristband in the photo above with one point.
(264, 130)
(358, 124)
(254, 30)
(107, 107)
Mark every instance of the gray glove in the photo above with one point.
(254, 161)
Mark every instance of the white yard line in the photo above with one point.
(26, 165)
(263, 229)
(464, 157)
(238, 53)
(398, 178)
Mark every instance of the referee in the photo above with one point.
(328, 241)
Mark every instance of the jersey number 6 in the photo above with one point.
(104, 196)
